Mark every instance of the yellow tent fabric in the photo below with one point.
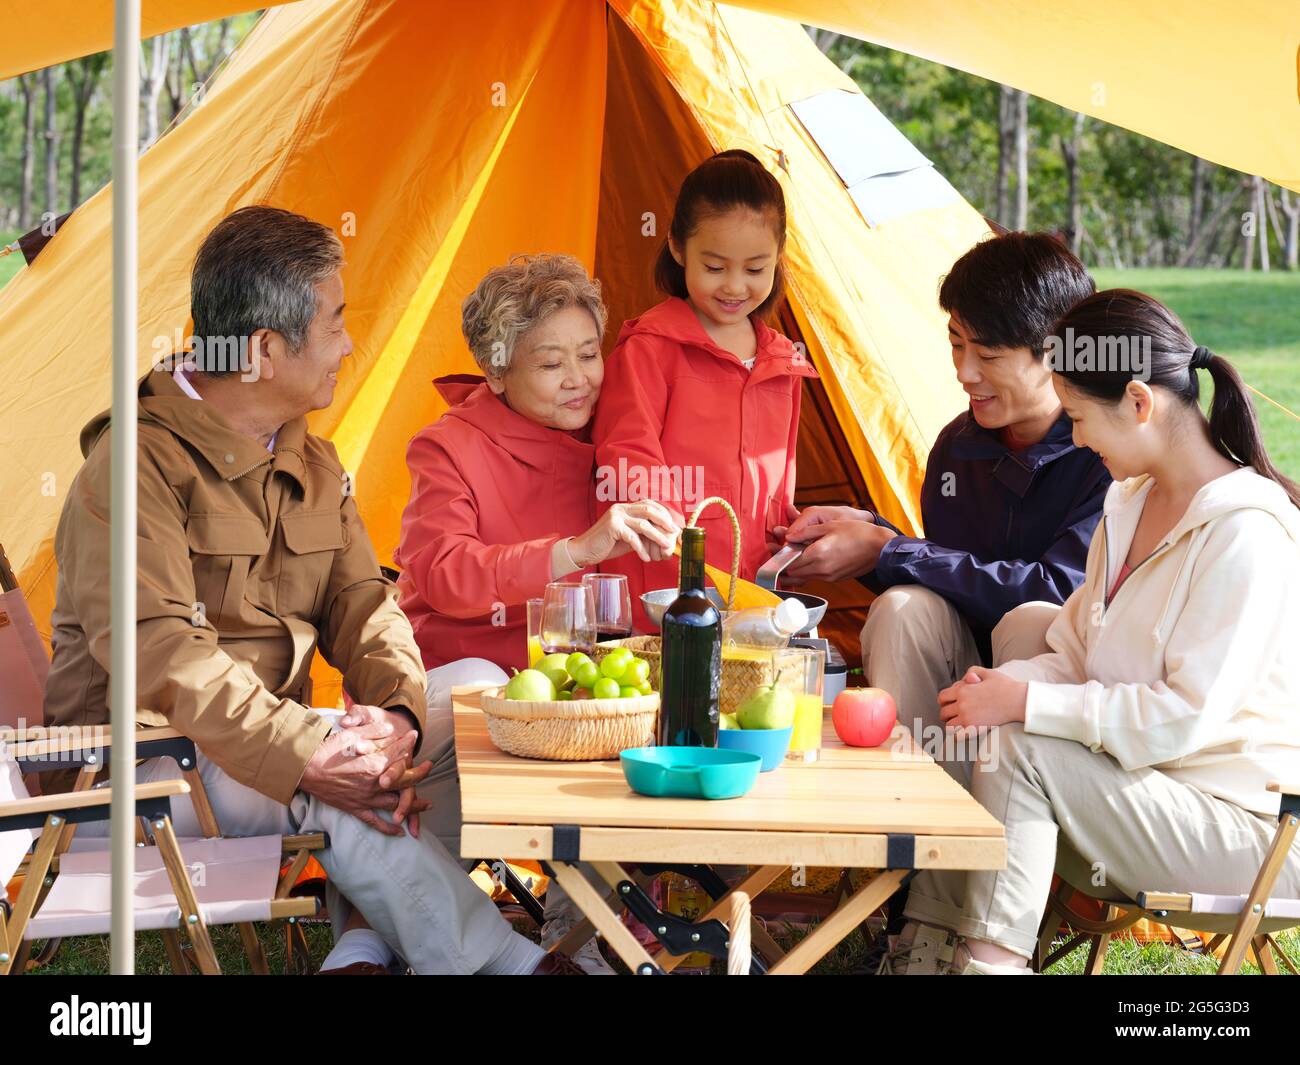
(1216, 79)
(1219, 80)
(439, 141)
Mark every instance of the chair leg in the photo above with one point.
(1100, 944)
(1281, 955)
(253, 949)
(191, 916)
(175, 952)
(1253, 911)
(1264, 956)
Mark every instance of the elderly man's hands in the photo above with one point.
(841, 542)
(367, 767)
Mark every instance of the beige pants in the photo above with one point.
(1137, 830)
(414, 892)
(915, 644)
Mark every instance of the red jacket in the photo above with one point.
(491, 492)
(674, 401)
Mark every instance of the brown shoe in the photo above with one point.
(358, 968)
(557, 965)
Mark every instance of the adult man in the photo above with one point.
(251, 554)
(1009, 503)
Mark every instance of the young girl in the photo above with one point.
(1144, 740)
(701, 398)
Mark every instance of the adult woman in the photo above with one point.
(1144, 739)
(502, 490)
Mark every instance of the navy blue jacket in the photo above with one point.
(1002, 527)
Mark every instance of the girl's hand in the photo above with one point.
(647, 528)
(983, 698)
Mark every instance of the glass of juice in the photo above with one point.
(807, 669)
(534, 631)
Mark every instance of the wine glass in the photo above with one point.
(568, 618)
(613, 605)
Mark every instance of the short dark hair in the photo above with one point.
(723, 182)
(258, 269)
(1011, 290)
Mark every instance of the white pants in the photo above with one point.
(915, 644)
(414, 892)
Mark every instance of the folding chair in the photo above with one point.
(25, 667)
(67, 893)
(1246, 922)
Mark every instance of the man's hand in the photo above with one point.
(838, 547)
(366, 767)
(983, 698)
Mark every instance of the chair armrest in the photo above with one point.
(41, 750)
(81, 800)
(1285, 787)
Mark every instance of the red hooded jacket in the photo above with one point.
(681, 418)
(491, 493)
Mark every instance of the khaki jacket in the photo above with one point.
(247, 562)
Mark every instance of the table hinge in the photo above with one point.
(566, 841)
(900, 850)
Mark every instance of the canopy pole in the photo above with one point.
(122, 517)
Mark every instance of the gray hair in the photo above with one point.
(258, 269)
(513, 298)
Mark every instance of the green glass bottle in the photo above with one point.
(692, 657)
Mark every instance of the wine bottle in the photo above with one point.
(691, 657)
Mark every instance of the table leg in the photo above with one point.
(593, 904)
(753, 885)
(846, 917)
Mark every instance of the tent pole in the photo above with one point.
(122, 522)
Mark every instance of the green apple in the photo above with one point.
(532, 686)
(553, 665)
(767, 707)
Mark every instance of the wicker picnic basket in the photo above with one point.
(577, 730)
(740, 676)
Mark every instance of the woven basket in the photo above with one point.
(739, 676)
(579, 730)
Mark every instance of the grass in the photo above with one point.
(9, 264)
(89, 955)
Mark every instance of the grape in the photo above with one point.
(629, 693)
(586, 674)
(615, 664)
(637, 672)
(574, 661)
(606, 688)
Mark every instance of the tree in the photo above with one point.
(51, 136)
(1073, 211)
(82, 75)
(153, 73)
(27, 86)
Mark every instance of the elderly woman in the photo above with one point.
(502, 487)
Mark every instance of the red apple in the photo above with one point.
(864, 717)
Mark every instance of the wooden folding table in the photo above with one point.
(890, 809)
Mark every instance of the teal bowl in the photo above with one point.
(770, 744)
(689, 772)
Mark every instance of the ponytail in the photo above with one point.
(1234, 425)
(1172, 364)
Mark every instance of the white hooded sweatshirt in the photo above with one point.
(1193, 668)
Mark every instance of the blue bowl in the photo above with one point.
(770, 744)
(689, 772)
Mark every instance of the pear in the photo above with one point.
(728, 721)
(531, 685)
(767, 706)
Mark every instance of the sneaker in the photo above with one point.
(924, 950)
(587, 957)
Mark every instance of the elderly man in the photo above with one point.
(251, 555)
